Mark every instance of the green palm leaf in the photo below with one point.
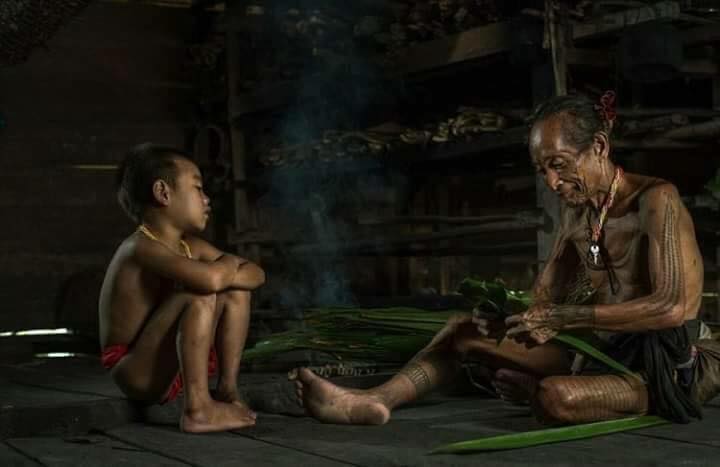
(550, 435)
(591, 351)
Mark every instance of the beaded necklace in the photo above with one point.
(594, 249)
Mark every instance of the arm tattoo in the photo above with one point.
(671, 281)
(562, 316)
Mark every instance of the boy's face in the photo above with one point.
(190, 207)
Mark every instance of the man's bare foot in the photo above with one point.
(333, 404)
(215, 416)
(514, 386)
(231, 396)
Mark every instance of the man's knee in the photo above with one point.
(461, 333)
(554, 402)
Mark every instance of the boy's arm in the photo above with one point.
(248, 275)
(200, 276)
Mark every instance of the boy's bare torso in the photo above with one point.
(128, 296)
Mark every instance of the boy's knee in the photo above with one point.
(235, 297)
(202, 301)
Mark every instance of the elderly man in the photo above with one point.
(625, 269)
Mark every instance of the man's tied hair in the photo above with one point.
(142, 167)
(581, 116)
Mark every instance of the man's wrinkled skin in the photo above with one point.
(648, 240)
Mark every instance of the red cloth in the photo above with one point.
(177, 385)
(112, 354)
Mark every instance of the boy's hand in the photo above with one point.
(231, 262)
(249, 276)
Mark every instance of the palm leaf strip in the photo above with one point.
(550, 435)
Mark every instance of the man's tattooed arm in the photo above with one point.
(675, 267)
(571, 316)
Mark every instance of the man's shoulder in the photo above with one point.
(652, 190)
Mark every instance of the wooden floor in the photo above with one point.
(67, 413)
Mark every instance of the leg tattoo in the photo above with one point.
(584, 399)
(428, 370)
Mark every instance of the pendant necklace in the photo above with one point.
(142, 228)
(594, 250)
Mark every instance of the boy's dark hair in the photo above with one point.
(581, 117)
(143, 165)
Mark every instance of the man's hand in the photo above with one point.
(536, 323)
(488, 324)
(542, 321)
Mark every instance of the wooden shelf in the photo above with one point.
(493, 39)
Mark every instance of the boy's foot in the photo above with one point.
(333, 404)
(231, 396)
(216, 416)
(514, 386)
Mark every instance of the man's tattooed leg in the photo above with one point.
(585, 399)
(429, 370)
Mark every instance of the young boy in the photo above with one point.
(169, 299)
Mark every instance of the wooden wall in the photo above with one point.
(110, 78)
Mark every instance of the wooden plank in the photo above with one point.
(545, 199)
(618, 21)
(468, 45)
(89, 450)
(133, 25)
(11, 457)
(219, 449)
(698, 131)
(603, 59)
(418, 249)
(701, 35)
(698, 432)
(265, 97)
(244, 218)
(528, 216)
(414, 430)
(504, 139)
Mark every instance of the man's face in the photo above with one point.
(573, 174)
(190, 206)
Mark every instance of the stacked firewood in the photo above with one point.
(468, 122)
(333, 146)
(338, 145)
(417, 21)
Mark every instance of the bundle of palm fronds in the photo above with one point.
(387, 335)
